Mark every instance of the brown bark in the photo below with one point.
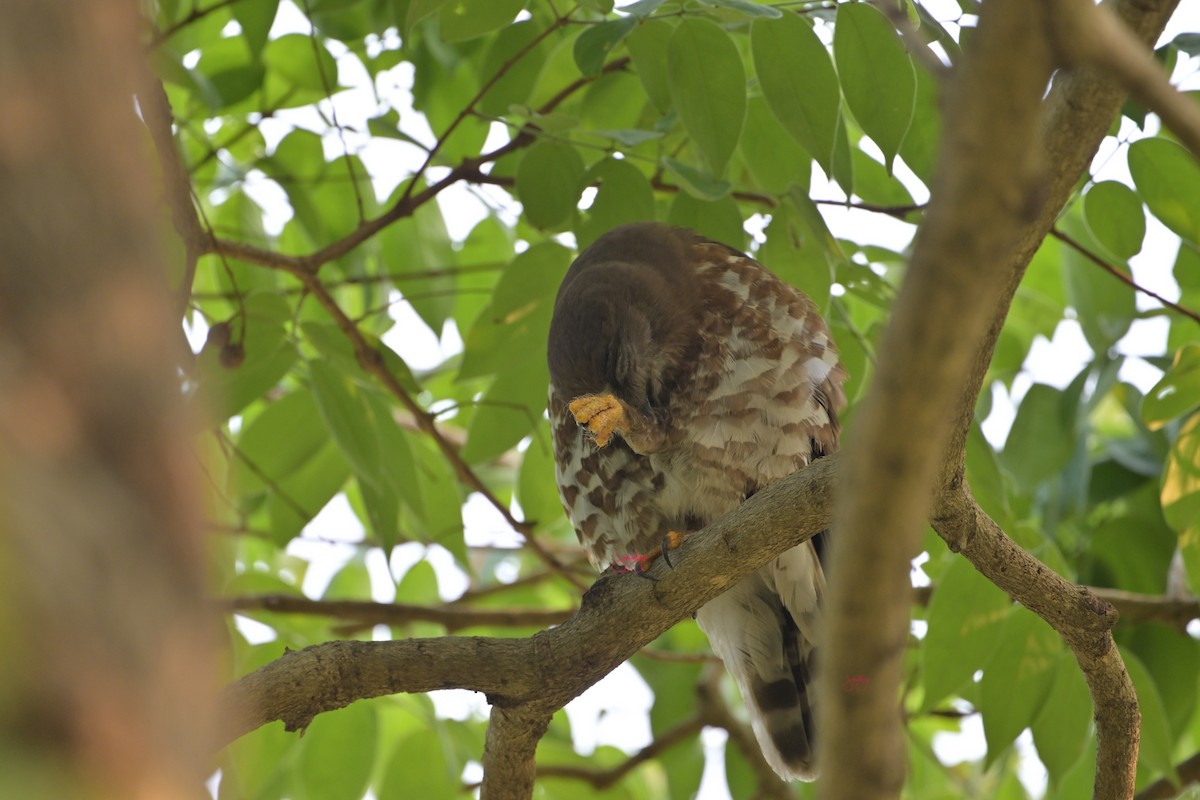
(108, 668)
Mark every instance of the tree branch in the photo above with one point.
(1163, 789)
(548, 669)
(177, 184)
(509, 752)
(364, 612)
(1119, 275)
(1132, 608)
(468, 169)
(1079, 111)
(1091, 36)
(989, 170)
(604, 778)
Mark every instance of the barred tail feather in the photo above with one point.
(771, 660)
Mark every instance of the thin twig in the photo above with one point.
(1095, 258)
(469, 108)
(453, 618)
(341, 132)
(196, 15)
(604, 778)
(156, 112)
(1164, 789)
(372, 362)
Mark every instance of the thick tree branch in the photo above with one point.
(989, 170)
(1079, 617)
(304, 683)
(1079, 110)
(1092, 36)
(108, 652)
(546, 670)
(509, 752)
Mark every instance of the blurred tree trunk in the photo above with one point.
(106, 661)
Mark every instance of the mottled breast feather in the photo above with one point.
(737, 375)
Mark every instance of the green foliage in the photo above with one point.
(333, 197)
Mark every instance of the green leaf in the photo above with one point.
(1106, 306)
(400, 479)
(1042, 437)
(269, 354)
(419, 586)
(230, 70)
(810, 217)
(493, 342)
(643, 8)
(256, 18)
(648, 49)
(279, 441)
(697, 183)
(877, 75)
(301, 61)
(549, 182)
(300, 496)
(1168, 179)
(595, 43)
(623, 195)
(920, 146)
(532, 277)
(515, 81)
(537, 491)
(1174, 662)
(420, 768)
(508, 410)
(1114, 216)
(720, 220)
(631, 137)
(442, 499)
(747, 8)
(421, 242)
(967, 614)
(460, 20)
(1061, 730)
(1017, 681)
(1155, 750)
(792, 254)
(798, 83)
(1181, 495)
(337, 754)
(348, 420)
(772, 157)
(1177, 392)
(708, 88)
(874, 185)
(419, 10)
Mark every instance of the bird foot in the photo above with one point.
(601, 414)
(672, 540)
(639, 563)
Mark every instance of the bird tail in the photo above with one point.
(772, 661)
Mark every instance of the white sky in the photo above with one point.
(615, 710)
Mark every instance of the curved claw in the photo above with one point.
(672, 540)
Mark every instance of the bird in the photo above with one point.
(684, 376)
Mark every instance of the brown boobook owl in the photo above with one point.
(683, 377)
